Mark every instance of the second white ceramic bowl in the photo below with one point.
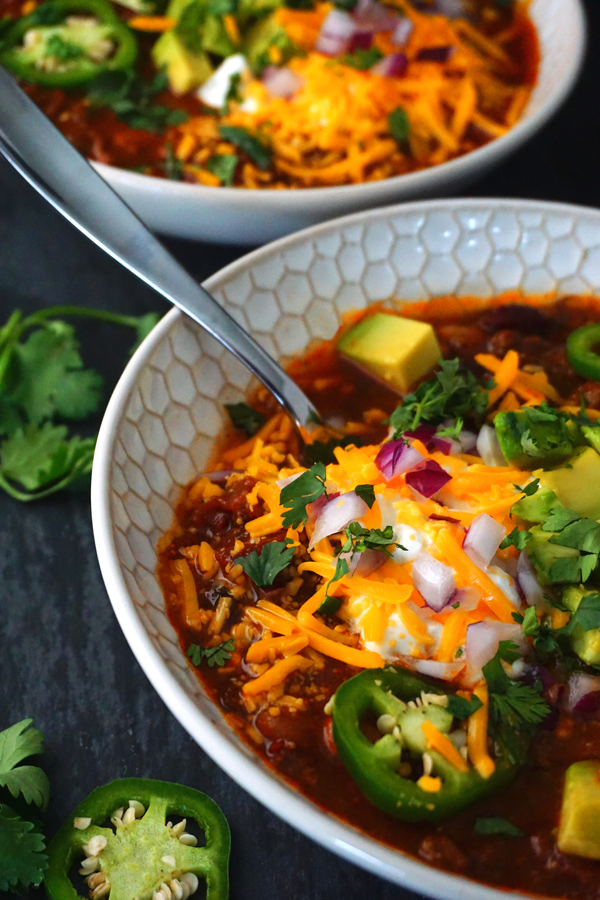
(237, 216)
(161, 423)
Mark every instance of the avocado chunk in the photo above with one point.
(536, 508)
(542, 553)
(586, 644)
(577, 485)
(266, 33)
(535, 438)
(399, 350)
(185, 70)
(579, 827)
(411, 720)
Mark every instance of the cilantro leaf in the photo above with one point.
(62, 50)
(530, 489)
(462, 708)
(518, 538)
(296, 496)
(251, 145)
(359, 538)
(223, 165)
(214, 656)
(362, 59)
(22, 857)
(497, 825)
(521, 702)
(263, 568)
(245, 417)
(399, 125)
(51, 378)
(366, 492)
(132, 100)
(16, 744)
(452, 393)
(322, 451)
(341, 568)
(493, 672)
(587, 614)
(330, 605)
(43, 459)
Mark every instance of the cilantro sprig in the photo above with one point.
(297, 495)
(264, 567)
(461, 708)
(22, 847)
(518, 538)
(453, 393)
(212, 656)
(245, 417)
(43, 380)
(579, 533)
(358, 539)
(497, 825)
(133, 100)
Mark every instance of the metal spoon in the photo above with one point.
(55, 168)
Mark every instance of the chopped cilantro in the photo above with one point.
(497, 825)
(359, 539)
(330, 605)
(530, 489)
(361, 59)
(296, 496)
(132, 100)
(248, 143)
(214, 656)
(341, 568)
(264, 567)
(223, 165)
(62, 50)
(452, 393)
(462, 708)
(46, 14)
(366, 492)
(456, 605)
(245, 417)
(399, 125)
(518, 538)
(579, 533)
(322, 451)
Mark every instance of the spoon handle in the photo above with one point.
(55, 168)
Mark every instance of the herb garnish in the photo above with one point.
(497, 825)
(132, 100)
(63, 51)
(359, 539)
(223, 165)
(322, 451)
(453, 393)
(214, 656)
(245, 417)
(366, 492)
(579, 533)
(42, 380)
(251, 145)
(296, 496)
(22, 846)
(362, 59)
(264, 567)
(518, 538)
(515, 707)
(462, 708)
(399, 125)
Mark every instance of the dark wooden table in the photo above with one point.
(63, 659)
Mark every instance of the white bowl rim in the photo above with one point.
(422, 179)
(251, 774)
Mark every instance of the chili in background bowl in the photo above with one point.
(160, 427)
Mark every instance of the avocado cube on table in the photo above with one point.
(579, 828)
(577, 485)
(401, 351)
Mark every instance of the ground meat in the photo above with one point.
(440, 850)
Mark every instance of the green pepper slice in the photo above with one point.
(137, 855)
(374, 766)
(580, 350)
(64, 43)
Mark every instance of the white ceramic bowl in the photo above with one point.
(231, 215)
(161, 422)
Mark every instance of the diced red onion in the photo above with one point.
(435, 669)
(422, 433)
(281, 82)
(336, 33)
(402, 32)
(396, 457)
(392, 66)
(434, 54)
(336, 514)
(531, 589)
(467, 440)
(434, 580)
(468, 598)
(483, 640)
(428, 479)
(580, 687)
(365, 563)
(484, 536)
(361, 40)
(315, 508)
(488, 447)
(589, 703)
